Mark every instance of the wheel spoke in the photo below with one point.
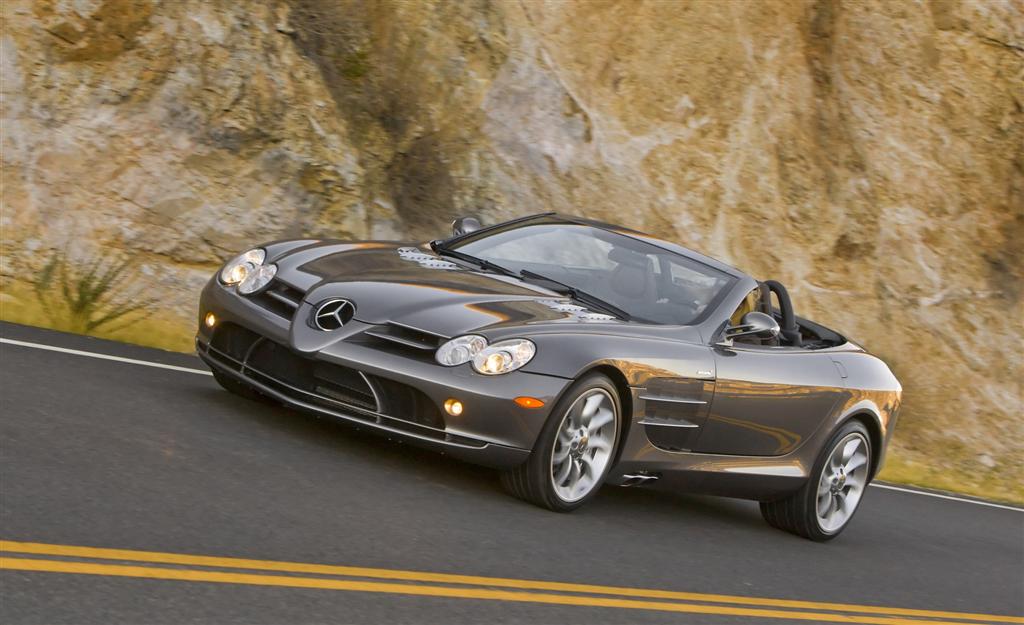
(575, 419)
(574, 472)
(586, 481)
(849, 449)
(856, 462)
(561, 453)
(563, 472)
(590, 407)
(599, 444)
(843, 508)
(601, 419)
(824, 503)
(825, 482)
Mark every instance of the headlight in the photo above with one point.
(504, 357)
(460, 349)
(242, 266)
(257, 279)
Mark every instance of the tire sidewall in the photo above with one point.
(540, 458)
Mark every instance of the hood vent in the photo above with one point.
(406, 336)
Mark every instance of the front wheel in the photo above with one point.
(574, 451)
(823, 507)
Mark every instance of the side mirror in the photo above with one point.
(465, 225)
(754, 323)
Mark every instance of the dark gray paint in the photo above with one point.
(768, 411)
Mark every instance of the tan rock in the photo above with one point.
(866, 153)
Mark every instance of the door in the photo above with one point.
(768, 399)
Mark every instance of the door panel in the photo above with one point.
(768, 400)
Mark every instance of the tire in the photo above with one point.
(577, 433)
(232, 385)
(800, 513)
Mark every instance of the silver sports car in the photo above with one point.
(567, 353)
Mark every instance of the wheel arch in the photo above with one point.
(872, 424)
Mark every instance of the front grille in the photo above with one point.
(279, 298)
(401, 399)
(335, 383)
(322, 383)
(233, 341)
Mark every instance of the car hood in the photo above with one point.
(410, 285)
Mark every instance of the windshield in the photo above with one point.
(647, 282)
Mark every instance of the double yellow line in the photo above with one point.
(184, 567)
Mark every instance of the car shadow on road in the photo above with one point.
(343, 439)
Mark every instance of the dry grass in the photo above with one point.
(997, 486)
(19, 303)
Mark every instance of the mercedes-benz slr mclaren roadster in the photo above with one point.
(568, 354)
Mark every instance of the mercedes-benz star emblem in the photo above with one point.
(333, 314)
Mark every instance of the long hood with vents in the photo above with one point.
(410, 286)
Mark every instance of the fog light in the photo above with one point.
(529, 402)
(211, 320)
(453, 407)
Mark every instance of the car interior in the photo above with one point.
(651, 287)
(794, 331)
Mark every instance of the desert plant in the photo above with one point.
(91, 295)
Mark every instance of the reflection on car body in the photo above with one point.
(576, 353)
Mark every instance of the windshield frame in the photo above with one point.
(684, 256)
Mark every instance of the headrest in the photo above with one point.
(629, 280)
(625, 256)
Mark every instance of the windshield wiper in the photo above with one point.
(483, 263)
(577, 294)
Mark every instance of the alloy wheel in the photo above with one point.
(842, 482)
(583, 447)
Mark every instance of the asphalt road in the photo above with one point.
(110, 454)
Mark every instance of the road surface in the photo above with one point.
(237, 512)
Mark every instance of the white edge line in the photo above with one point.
(950, 497)
(77, 352)
(158, 365)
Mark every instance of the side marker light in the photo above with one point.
(529, 402)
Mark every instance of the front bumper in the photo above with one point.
(492, 430)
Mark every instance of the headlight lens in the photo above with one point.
(257, 279)
(460, 349)
(504, 357)
(242, 266)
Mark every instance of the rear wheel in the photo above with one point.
(823, 507)
(574, 451)
(232, 385)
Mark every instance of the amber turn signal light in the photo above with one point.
(529, 402)
(453, 407)
(211, 320)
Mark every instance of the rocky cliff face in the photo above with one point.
(868, 154)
